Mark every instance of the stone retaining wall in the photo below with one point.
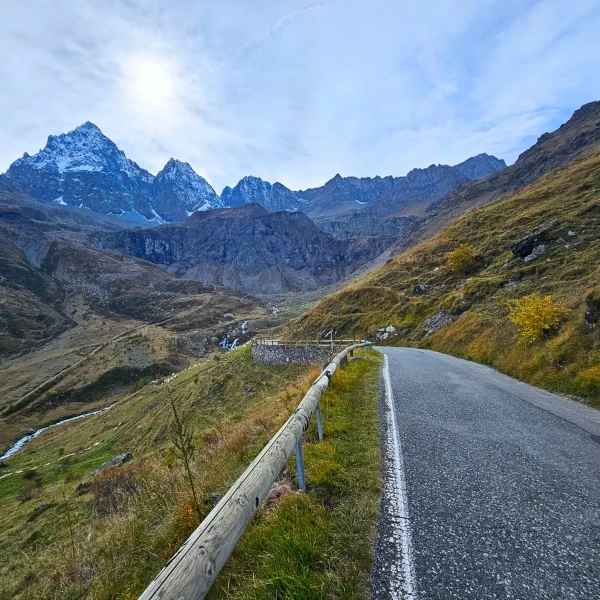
(282, 354)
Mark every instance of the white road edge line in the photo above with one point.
(407, 588)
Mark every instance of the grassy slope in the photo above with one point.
(146, 352)
(318, 545)
(59, 544)
(569, 361)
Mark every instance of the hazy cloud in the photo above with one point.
(296, 90)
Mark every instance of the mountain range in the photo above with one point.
(85, 169)
(72, 268)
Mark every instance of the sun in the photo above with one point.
(150, 82)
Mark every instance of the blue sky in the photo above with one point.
(296, 91)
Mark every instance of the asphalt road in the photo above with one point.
(492, 486)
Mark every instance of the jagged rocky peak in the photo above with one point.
(480, 166)
(251, 189)
(85, 148)
(85, 169)
(174, 168)
(179, 192)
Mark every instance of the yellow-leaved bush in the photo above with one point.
(535, 316)
(462, 259)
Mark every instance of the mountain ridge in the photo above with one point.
(551, 150)
(86, 169)
(342, 195)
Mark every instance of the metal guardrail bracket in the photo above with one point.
(300, 475)
(319, 420)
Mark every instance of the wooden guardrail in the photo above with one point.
(192, 570)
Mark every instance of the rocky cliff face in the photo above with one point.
(247, 249)
(368, 224)
(84, 168)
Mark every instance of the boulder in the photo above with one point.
(386, 332)
(116, 461)
(83, 488)
(525, 246)
(437, 321)
(536, 253)
(39, 509)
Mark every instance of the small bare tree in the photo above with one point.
(69, 525)
(182, 436)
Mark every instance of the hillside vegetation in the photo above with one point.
(461, 291)
(71, 528)
(69, 532)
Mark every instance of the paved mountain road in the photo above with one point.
(492, 486)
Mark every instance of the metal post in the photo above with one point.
(319, 422)
(300, 482)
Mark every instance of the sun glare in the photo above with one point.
(150, 82)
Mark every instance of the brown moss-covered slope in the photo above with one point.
(472, 308)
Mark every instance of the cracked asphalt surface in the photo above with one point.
(502, 481)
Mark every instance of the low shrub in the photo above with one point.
(535, 316)
(588, 380)
(113, 487)
(463, 259)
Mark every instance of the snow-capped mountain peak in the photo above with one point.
(175, 168)
(86, 169)
(85, 148)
